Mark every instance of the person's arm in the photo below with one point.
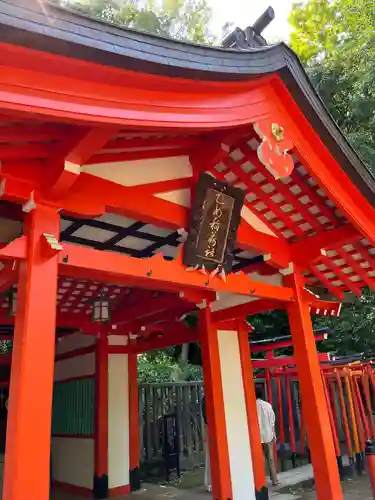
(273, 422)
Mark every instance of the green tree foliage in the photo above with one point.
(354, 330)
(161, 366)
(179, 19)
(335, 39)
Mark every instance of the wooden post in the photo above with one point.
(252, 414)
(217, 432)
(312, 393)
(134, 445)
(101, 418)
(28, 444)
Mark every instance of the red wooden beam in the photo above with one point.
(178, 142)
(71, 155)
(8, 277)
(340, 275)
(363, 251)
(280, 344)
(14, 250)
(137, 155)
(175, 334)
(157, 273)
(357, 268)
(26, 151)
(249, 309)
(338, 292)
(163, 186)
(308, 250)
(24, 132)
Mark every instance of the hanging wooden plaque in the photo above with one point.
(214, 220)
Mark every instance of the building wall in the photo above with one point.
(236, 417)
(118, 418)
(73, 412)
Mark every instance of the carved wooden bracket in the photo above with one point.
(51, 245)
(273, 150)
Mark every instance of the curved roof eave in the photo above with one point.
(42, 26)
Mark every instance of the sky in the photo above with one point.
(244, 13)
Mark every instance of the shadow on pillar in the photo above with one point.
(100, 487)
(262, 494)
(135, 479)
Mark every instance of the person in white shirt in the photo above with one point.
(266, 418)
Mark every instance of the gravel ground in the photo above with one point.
(355, 489)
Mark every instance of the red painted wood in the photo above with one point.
(350, 285)
(316, 416)
(101, 407)
(73, 489)
(27, 464)
(214, 399)
(76, 352)
(138, 101)
(283, 189)
(137, 155)
(157, 273)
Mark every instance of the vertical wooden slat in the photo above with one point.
(155, 419)
(148, 402)
(179, 413)
(141, 422)
(188, 429)
(194, 413)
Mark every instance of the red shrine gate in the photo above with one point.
(104, 134)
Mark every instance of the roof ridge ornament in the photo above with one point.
(251, 37)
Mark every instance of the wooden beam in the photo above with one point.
(14, 250)
(69, 158)
(280, 362)
(157, 273)
(137, 155)
(175, 335)
(249, 309)
(8, 277)
(308, 250)
(279, 344)
(178, 142)
(102, 195)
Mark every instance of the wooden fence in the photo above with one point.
(185, 400)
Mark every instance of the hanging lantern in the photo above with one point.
(12, 302)
(100, 309)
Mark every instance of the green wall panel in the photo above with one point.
(73, 410)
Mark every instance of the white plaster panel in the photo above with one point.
(241, 466)
(79, 366)
(227, 299)
(179, 196)
(140, 172)
(117, 340)
(74, 341)
(255, 222)
(118, 421)
(73, 461)
(273, 279)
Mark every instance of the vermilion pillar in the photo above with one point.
(101, 418)
(312, 394)
(27, 458)
(134, 445)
